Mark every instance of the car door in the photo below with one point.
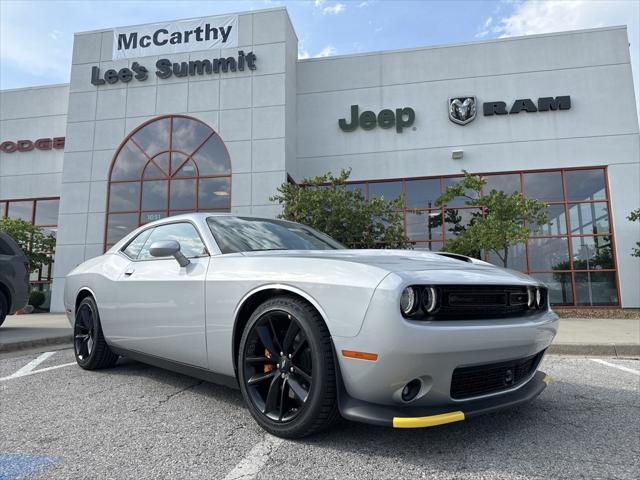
(161, 305)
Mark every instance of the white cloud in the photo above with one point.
(363, 4)
(531, 17)
(326, 51)
(318, 3)
(334, 9)
(302, 54)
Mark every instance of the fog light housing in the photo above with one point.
(411, 390)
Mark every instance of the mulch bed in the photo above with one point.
(630, 313)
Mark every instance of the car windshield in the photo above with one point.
(241, 234)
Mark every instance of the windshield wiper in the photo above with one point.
(268, 249)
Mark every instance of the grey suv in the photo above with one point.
(14, 277)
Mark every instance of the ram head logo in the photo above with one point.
(462, 110)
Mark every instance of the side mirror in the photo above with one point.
(168, 248)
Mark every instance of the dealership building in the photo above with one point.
(213, 114)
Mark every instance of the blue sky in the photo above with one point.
(36, 37)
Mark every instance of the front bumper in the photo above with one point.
(419, 417)
(430, 351)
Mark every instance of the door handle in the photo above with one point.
(129, 271)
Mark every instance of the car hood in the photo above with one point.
(404, 261)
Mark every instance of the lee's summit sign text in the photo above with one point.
(165, 68)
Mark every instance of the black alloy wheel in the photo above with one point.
(90, 347)
(84, 332)
(278, 366)
(286, 368)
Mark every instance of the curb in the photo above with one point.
(40, 342)
(601, 349)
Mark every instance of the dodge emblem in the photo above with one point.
(462, 110)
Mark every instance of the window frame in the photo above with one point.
(153, 227)
(140, 179)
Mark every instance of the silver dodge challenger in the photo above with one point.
(309, 330)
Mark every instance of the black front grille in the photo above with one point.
(477, 301)
(468, 382)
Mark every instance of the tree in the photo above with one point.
(503, 220)
(326, 204)
(36, 244)
(634, 217)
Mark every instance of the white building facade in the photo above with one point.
(157, 121)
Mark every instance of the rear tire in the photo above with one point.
(4, 308)
(286, 369)
(90, 348)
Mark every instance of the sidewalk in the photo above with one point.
(593, 336)
(36, 330)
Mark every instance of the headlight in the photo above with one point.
(539, 298)
(429, 299)
(408, 301)
(531, 297)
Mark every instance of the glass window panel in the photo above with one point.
(214, 193)
(146, 217)
(162, 161)
(456, 219)
(549, 254)
(183, 194)
(429, 246)
(426, 225)
(3, 211)
(177, 159)
(422, 193)
(151, 171)
(47, 212)
(129, 163)
(560, 287)
(596, 288)
(589, 218)
(352, 187)
(592, 253)
(458, 201)
(503, 183)
(387, 190)
(21, 210)
(516, 258)
(153, 138)
(154, 194)
(585, 184)
(133, 249)
(124, 197)
(187, 170)
(556, 225)
(544, 186)
(190, 243)
(119, 225)
(212, 158)
(188, 134)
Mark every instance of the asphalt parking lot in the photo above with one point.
(137, 421)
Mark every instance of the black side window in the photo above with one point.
(186, 234)
(133, 249)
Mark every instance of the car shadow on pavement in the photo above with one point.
(569, 424)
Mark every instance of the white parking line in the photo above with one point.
(619, 367)
(255, 460)
(29, 368)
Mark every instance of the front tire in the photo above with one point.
(286, 368)
(90, 348)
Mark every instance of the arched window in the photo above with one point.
(170, 165)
